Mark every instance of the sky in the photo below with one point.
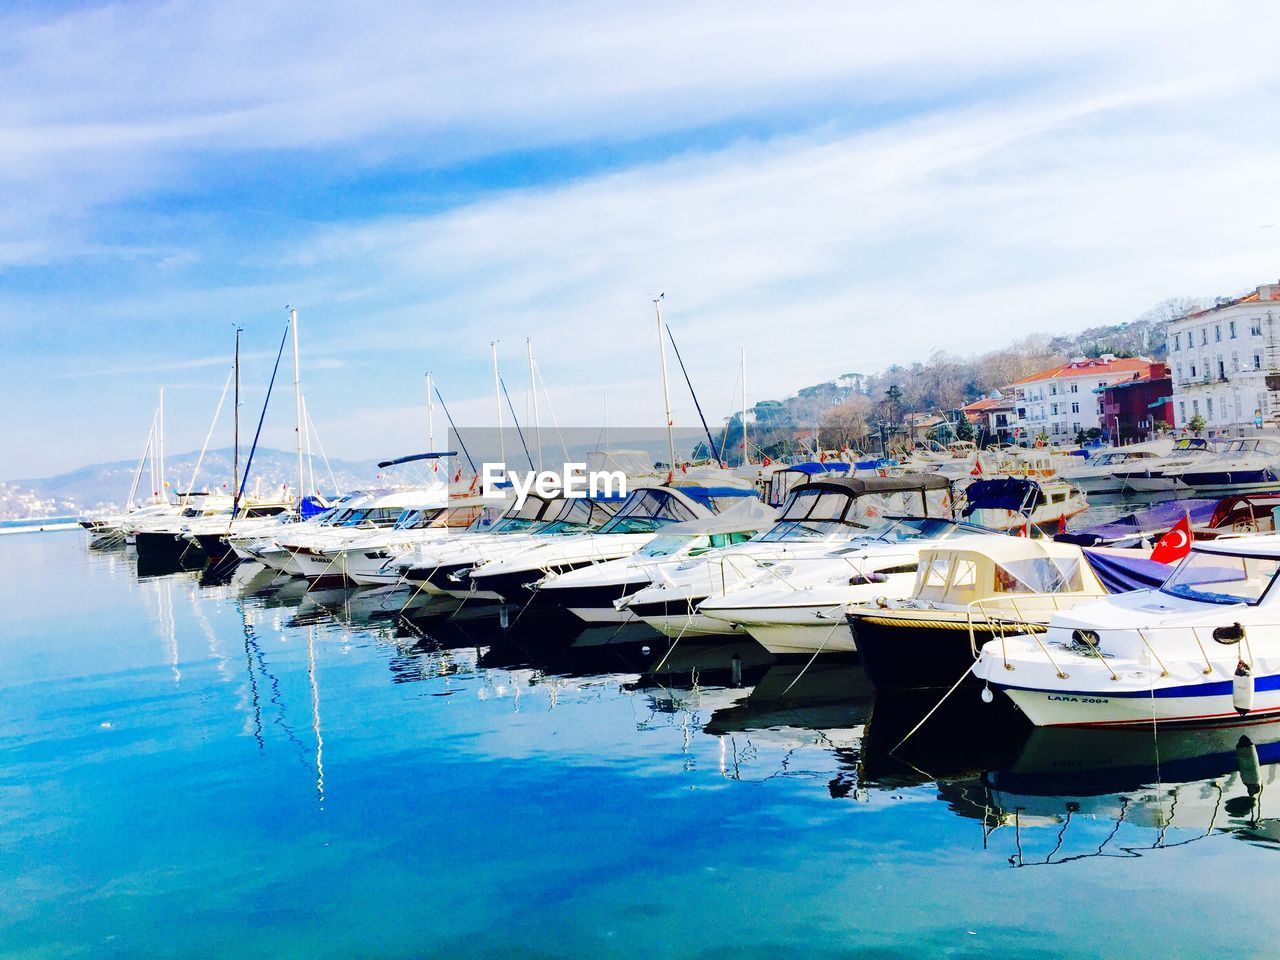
(834, 187)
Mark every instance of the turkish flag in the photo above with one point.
(1175, 544)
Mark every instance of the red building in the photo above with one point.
(1131, 408)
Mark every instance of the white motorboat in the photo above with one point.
(819, 517)
(798, 608)
(1238, 466)
(393, 515)
(1105, 472)
(1159, 474)
(442, 568)
(647, 509)
(1204, 647)
(592, 593)
(1021, 503)
(967, 588)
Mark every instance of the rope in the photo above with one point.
(926, 717)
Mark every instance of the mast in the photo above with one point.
(137, 474)
(533, 390)
(743, 356)
(297, 399)
(497, 401)
(160, 446)
(235, 442)
(431, 425)
(666, 393)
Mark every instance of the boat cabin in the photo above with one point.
(993, 568)
(846, 507)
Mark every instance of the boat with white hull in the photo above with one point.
(819, 517)
(1203, 648)
(594, 591)
(645, 512)
(801, 611)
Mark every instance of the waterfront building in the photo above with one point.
(1132, 408)
(993, 416)
(1225, 362)
(1060, 402)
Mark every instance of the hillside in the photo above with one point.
(104, 486)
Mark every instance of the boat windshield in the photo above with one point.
(417, 519)
(665, 546)
(1219, 578)
(647, 510)
(899, 529)
(812, 514)
(513, 525)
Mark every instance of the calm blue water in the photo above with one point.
(238, 771)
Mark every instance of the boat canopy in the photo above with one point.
(785, 479)
(1120, 572)
(746, 515)
(1152, 521)
(411, 458)
(927, 494)
(648, 508)
(1004, 493)
(967, 569)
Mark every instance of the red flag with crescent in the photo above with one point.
(1175, 544)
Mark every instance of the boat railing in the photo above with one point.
(1089, 640)
(1004, 616)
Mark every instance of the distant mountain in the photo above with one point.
(104, 486)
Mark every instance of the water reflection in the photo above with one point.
(1039, 796)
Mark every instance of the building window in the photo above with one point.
(1075, 408)
(1075, 388)
(1076, 426)
(1235, 361)
(1193, 371)
(1208, 406)
(1255, 327)
(1053, 389)
(1177, 341)
(1178, 369)
(1232, 327)
(1054, 409)
(1222, 369)
(1195, 408)
(1217, 333)
(1257, 361)
(1182, 411)
(1204, 336)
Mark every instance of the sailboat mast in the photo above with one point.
(666, 392)
(164, 493)
(297, 398)
(533, 390)
(235, 441)
(743, 356)
(431, 424)
(497, 402)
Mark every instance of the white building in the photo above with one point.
(1060, 402)
(1220, 360)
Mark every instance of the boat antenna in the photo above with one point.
(666, 393)
(746, 457)
(711, 444)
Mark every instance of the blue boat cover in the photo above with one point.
(1154, 521)
(1122, 574)
(1006, 493)
(311, 506)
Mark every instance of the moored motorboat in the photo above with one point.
(967, 590)
(1204, 647)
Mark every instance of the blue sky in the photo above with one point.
(834, 186)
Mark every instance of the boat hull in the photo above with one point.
(1079, 708)
(919, 650)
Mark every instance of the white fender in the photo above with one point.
(1242, 688)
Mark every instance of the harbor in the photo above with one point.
(689, 481)
(176, 749)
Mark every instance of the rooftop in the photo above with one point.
(1082, 366)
